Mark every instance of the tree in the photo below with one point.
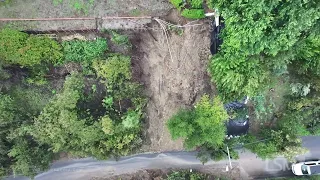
(284, 140)
(259, 37)
(115, 69)
(238, 76)
(19, 152)
(7, 118)
(204, 125)
(29, 157)
(58, 124)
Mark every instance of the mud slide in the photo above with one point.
(171, 83)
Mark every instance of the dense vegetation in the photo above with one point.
(257, 47)
(192, 9)
(203, 128)
(257, 44)
(94, 114)
(203, 125)
(265, 42)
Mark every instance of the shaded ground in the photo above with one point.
(171, 83)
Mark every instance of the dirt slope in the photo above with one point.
(171, 83)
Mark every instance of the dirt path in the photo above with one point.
(70, 8)
(171, 83)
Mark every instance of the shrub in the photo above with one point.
(115, 69)
(177, 3)
(203, 125)
(186, 175)
(4, 3)
(196, 4)
(11, 42)
(80, 6)
(79, 51)
(121, 40)
(193, 13)
(107, 125)
(40, 49)
(19, 48)
(210, 4)
(179, 124)
(131, 119)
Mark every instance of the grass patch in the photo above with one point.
(5, 2)
(193, 13)
(80, 6)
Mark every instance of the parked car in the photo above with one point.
(306, 168)
(216, 41)
(238, 124)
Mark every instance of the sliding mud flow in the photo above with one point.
(171, 81)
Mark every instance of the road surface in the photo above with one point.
(251, 167)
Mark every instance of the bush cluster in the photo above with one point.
(35, 126)
(28, 50)
(191, 9)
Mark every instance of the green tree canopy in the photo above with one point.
(259, 37)
(21, 49)
(204, 125)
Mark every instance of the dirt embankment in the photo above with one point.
(174, 83)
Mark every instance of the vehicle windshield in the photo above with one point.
(304, 169)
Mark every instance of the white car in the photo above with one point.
(306, 168)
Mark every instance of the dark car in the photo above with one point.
(238, 124)
(216, 41)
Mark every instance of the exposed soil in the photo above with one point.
(174, 83)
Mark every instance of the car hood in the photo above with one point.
(296, 169)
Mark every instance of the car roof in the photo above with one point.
(236, 129)
(237, 126)
(315, 169)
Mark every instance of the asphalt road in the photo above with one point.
(250, 166)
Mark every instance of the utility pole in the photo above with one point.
(229, 157)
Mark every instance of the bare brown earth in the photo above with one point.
(174, 83)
